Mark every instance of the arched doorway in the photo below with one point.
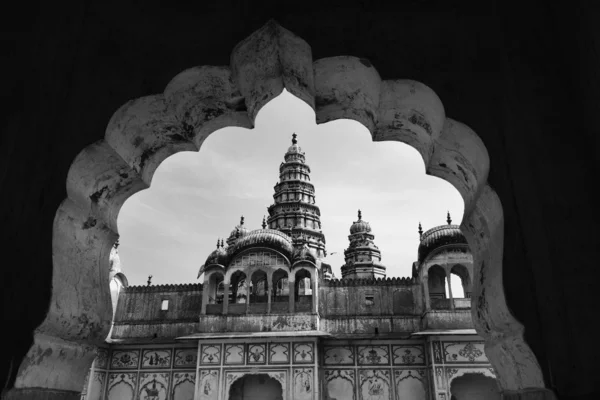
(256, 387)
(474, 386)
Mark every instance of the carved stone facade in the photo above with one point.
(272, 323)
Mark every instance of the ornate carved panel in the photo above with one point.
(303, 353)
(408, 355)
(374, 384)
(208, 384)
(303, 383)
(234, 353)
(440, 378)
(257, 353)
(411, 384)
(153, 386)
(185, 358)
(101, 358)
(124, 359)
(373, 355)
(258, 259)
(121, 386)
(437, 352)
(210, 354)
(338, 355)
(279, 353)
(156, 358)
(465, 352)
(183, 385)
(340, 384)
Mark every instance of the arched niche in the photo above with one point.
(267, 385)
(473, 384)
(201, 100)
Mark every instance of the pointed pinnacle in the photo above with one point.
(448, 219)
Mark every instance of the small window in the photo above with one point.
(164, 305)
(369, 299)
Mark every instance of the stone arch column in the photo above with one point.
(201, 100)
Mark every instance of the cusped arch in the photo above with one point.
(488, 372)
(197, 102)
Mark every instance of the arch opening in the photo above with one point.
(256, 387)
(108, 172)
(474, 386)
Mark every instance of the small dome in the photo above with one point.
(294, 148)
(440, 236)
(270, 238)
(218, 256)
(239, 231)
(360, 225)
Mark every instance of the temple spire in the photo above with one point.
(242, 220)
(264, 223)
(294, 141)
(359, 215)
(420, 230)
(218, 243)
(448, 219)
(149, 280)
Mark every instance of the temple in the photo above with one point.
(271, 321)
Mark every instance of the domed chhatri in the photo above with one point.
(237, 232)
(295, 148)
(363, 258)
(439, 236)
(360, 225)
(218, 256)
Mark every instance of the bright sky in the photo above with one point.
(168, 230)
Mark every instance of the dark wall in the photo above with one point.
(524, 78)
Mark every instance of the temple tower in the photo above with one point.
(294, 211)
(363, 258)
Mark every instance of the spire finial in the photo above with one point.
(359, 215)
(420, 230)
(218, 243)
(294, 141)
(448, 219)
(242, 220)
(149, 280)
(264, 223)
(222, 243)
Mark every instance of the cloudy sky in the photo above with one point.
(168, 230)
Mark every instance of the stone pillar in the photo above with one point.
(292, 293)
(205, 289)
(425, 283)
(315, 292)
(450, 291)
(225, 298)
(269, 290)
(248, 294)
